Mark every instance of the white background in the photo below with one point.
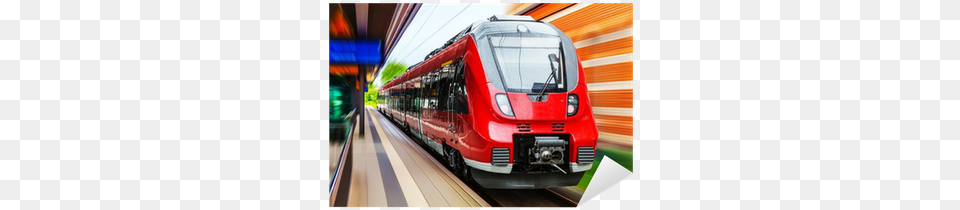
(749, 104)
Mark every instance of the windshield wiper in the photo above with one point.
(553, 71)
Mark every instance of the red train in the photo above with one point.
(504, 102)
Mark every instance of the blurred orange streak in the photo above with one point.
(622, 125)
(515, 8)
(595, 20)
(340, 69)
(609, 73)
(545, 10)
(612, 98)
(339, 26)
(610, 48)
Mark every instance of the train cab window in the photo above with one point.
(529, 63)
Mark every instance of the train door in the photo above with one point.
(434, 118)
(456, 100)
(450, 118)
(450, 108)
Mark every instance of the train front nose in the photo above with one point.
(539, 161)
(551, 106)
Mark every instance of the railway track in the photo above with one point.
(524, 198)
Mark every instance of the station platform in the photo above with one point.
(389, 169)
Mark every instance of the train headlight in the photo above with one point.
(504, 103)
(573, 104)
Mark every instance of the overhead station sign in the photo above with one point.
(355, 51)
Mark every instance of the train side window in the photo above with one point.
(406, 100)
(451, 84)
(447, 74)
(434, 90)
(414, 100)
(427, 84)
(420, 97)
(429, 96)
(424, 91)
(415, 92)
(438, 89)
(441, 87)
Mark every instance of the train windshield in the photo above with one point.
(529, 62)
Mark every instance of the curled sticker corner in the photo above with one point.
(609, 173)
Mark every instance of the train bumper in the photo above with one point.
(525, 181)
(580, 167)
(505, 169)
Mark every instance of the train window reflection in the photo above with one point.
(525, 63)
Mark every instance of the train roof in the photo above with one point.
(475, 29)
